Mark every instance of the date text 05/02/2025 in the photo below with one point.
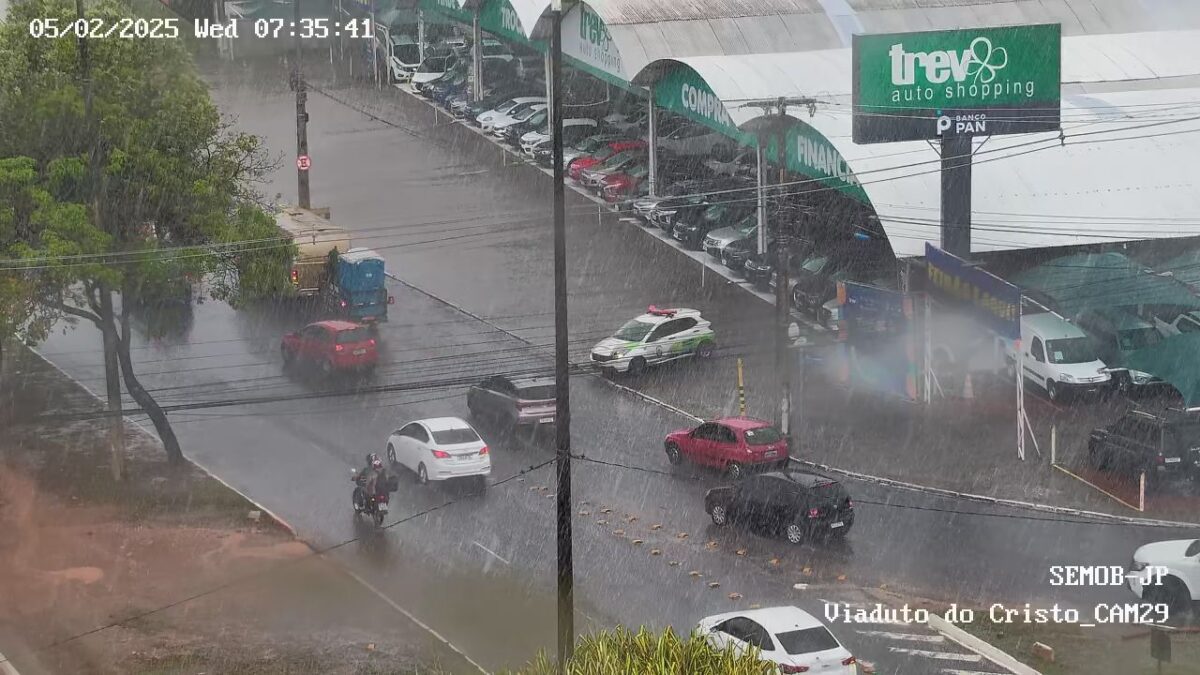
(131, 28)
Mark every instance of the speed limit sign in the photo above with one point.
(303, 162)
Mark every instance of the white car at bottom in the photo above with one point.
(658, 336)
(791, 638)
(440, 448)
(1167, 572)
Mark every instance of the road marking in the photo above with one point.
(903, 636)
(944, 656)
(494, 554)
(6, 666)
(954, 671)
(429, 629)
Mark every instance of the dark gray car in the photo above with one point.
(514, 401)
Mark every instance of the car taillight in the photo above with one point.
(483, 450)
(814, 513)
(849, 661)
(785, 668)
(1160, 460)
(343, 303)
(339, 348)
(441, 454)
(295, 276)
(371, 342)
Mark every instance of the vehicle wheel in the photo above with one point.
(720, 516)
(391, 454)
(1173, 594)
(795, 533)
(1051, 390)
(288, 357)
(422, 474)
(704, 350)
(378, 518)
(674, 456)
(637, 366)
(734, 471)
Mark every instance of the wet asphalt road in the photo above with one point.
(479, 568)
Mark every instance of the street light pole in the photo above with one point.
(562, 381)
(301, 113)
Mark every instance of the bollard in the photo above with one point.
(1053, 444)
(741, 390)
(1142, 492)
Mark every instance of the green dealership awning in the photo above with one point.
(1077, 283)
(1176, 360)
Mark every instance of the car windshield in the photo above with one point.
(455, 436)
(506, 106)
(1137, 338)
(618, 159)
(634, 331)
(1070, 350)
(406, 53)
(829, 492)
(807, 641)
(814, 264)
(433, 64)
(353, 335)
(525, 114)
(763, 436)
(540, 392)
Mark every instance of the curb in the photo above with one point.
(141, 427)
(984, 649)
(1062, 510)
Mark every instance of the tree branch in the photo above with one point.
(73, 311)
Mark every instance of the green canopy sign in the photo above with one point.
(807, 151)
(980, 81)
(449, 9)
(500, 19)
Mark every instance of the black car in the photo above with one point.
(760, 267)
(514, 401)
(816, 281)
(513, 134)
(691, 227)
(1163, 445)
(693, 195)
(796, 504)
(735, 255)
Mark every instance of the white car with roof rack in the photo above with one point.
(658, 336)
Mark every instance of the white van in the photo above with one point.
(1059, 357)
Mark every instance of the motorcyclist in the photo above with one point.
(366, 480)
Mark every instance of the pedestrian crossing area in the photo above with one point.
(911, 648)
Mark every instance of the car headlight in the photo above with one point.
(1139, 377)
(618, 353)
(1067, 377)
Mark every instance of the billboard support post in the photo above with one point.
(956, 194)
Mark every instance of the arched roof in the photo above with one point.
(1136, 146)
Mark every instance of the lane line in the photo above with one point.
(494, 554)
(941, 656)
(913, 637)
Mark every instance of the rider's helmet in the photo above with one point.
(371, 457)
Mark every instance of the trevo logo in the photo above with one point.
(980, 61)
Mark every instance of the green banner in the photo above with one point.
(808, 152)
(910, 86)
(500, 19)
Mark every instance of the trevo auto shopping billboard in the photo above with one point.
(975, 82)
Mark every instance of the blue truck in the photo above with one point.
(357, 286)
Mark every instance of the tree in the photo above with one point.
(131, 182)
(620, 651)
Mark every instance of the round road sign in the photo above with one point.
(303, 162)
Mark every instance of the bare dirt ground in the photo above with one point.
(166, 572)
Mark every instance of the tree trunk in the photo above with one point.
(159, 418)
(112, 381)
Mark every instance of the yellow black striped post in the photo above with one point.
(741, 390)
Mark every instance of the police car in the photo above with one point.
(658, 336)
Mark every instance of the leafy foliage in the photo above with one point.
(620, 652)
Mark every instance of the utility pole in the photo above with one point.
(956, 194)
(112, 373)
(301, 112)
(776, 124)
(562, 380)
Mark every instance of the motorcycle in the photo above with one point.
(375, 506)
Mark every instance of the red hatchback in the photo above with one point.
(332, 346)
(730, 443)
(606, 151)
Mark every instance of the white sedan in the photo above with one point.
(440, 448)
(789, 637)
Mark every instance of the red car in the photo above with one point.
(332, 346)
(621, 186)
(607, 150)
(730, 443)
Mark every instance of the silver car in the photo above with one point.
(717, 240)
